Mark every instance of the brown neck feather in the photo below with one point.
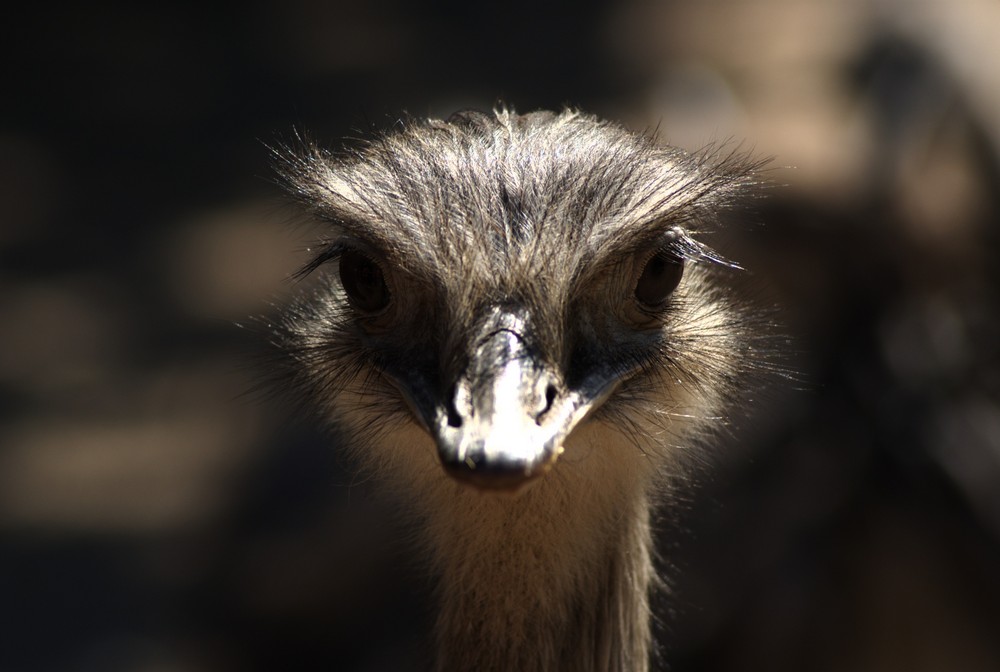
(557, 578)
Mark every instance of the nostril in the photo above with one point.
(550, 397)
(454, 419)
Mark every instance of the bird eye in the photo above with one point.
(659, 278)
(363, 281)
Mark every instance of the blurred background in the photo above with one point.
(154, 519)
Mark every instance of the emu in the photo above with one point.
(525, 340)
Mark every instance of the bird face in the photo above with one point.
(501, 280)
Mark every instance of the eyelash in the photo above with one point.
(330, 252)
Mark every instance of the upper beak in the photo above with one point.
(508, 414)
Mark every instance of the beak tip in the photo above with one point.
(497, 472)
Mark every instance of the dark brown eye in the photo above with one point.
(363, 281)
(659, 278)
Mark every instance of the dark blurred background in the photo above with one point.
(153, 520)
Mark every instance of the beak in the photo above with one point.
(508, 414)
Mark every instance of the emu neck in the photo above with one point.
(554, 579)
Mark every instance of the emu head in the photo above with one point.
(502, 281)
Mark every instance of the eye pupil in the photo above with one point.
(363, 281)
(659, 279)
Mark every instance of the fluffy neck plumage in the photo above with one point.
(554, 579)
